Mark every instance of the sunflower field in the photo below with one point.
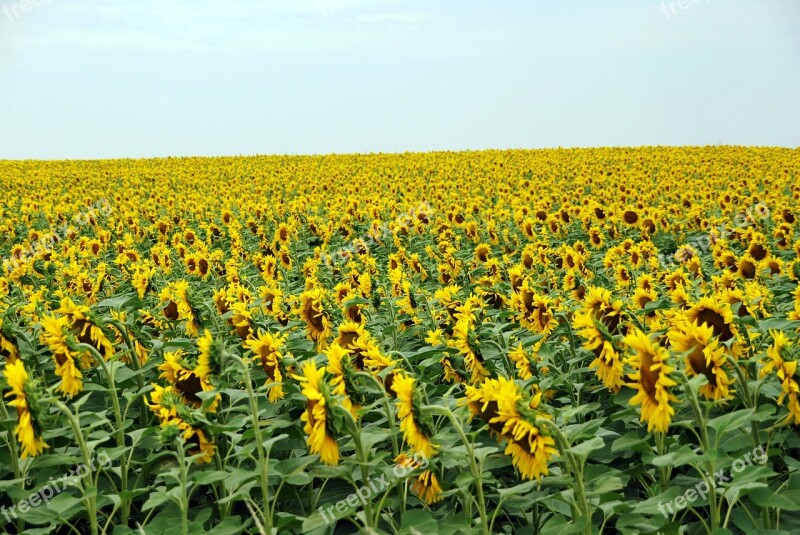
(554, 341)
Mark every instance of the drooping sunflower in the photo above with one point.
(28, 430)
(342, 370)
(179, 306)
(651, 381)
(241, 319)
(779, 363)
(417, 429)
(522, 362)
(87, 329)
(313, 312)
(512, 416)
(426, 487)
(317, 426)
(8, 349)
(54, 335)
(267, 348)
(465, 341)
(188, 382)
(167, 404)
(705, 356)
(598, 321)
(534, 311)
(366, 354)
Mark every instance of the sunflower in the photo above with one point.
(717, 314)
(317, 425)
(641, 297)
(426, 487)
(8, 349)
(28, 430)
(465, 341)
(208, 359)
(511, 416)
(349, 332)
(140, 280)
(312, 311)
(367, 355)
(179, 306)
(483, 252)
(704, 356)
(435, 337)
(534, 311)
(267, 348)
(87, 329)
(522, 361)
(166, 403)
(54, 335)
(341, 369)
(241, 320)
(273, 301)
(189, 382)
(785, 370)
(417, 429)
(598, 321)
(651, 381)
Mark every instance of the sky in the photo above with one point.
(105, 79)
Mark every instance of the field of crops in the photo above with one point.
(555, 341)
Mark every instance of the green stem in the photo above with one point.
(14, 450)
(263, 458)
(705, 446)
(363, 460)
(750, 401)
(119, 431)
(575, 467)
(91, 501)
(473, 467)
(184, 482)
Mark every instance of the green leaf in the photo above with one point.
(730, 421)
(682, 456)
(767, 498)
(585, 448)
(418, 522)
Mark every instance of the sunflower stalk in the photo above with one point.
(750, 401)
(14, 451)
(263, 458)
(702, 423)
(576, 467)
(183, 502)
(91, 500)
(119, 428)
(363, 459)
(134, 357)
(473, 466)
(386, 408)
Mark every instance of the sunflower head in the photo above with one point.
(704, 356)
(651, 380)
(27, 398)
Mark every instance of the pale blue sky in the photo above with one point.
(96, 78)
